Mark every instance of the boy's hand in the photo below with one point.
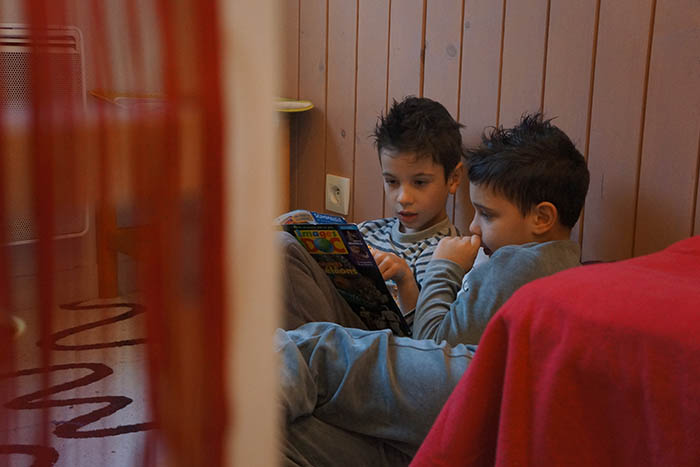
(461, 250)
(392, 267)
(395, 268)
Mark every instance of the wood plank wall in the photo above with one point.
(622, 78)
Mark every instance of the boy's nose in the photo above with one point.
(474, 227)
(404, 196)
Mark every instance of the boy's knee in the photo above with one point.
(285, 238)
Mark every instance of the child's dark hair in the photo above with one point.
(421, 126)
(531, 163)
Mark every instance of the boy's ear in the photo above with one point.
(545, 217)
(455, 178)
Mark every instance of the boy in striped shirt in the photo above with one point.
(420, 150)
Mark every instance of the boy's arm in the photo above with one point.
(488, 286)
(367, 382)
(442, 313)
(395, 268)
(441, 284)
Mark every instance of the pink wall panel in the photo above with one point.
(340, 106)
(372, 52)
(668, 177)
(405, 42)
(479, 84)
(405, 50)
(616, 116)
(289, 88)
(443, 38)
(523, 59)
(289, 35)
(311, 129)
(443, 35)
(568, 77)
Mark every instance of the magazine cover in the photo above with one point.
(302, 216)
(345, 257)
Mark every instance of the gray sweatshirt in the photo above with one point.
(444, 312)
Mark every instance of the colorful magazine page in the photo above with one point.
(343, 254)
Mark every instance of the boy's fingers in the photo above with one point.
(475, 241)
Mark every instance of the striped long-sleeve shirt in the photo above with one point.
(416, 248)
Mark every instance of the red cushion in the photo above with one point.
(597, 365)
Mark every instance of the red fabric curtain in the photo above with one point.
(149, 108)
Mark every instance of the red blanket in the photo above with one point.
(598, 365)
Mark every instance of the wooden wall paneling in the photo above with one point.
(568, 76)
(478, 101)
(405, 55)
(523, 59)
(405, 49)
(294, 125)
(372, 53)
(340, 106)
(615, 129)
(443, 26)
(570, 49)
(311, 128)
(443, 34)
(668, 174)
(289, 88)
(289, 35)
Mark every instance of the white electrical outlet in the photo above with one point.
(337, 194)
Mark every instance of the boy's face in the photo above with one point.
(416, 189)
(497, 220)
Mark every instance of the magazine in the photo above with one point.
(343, 254)
(302, 216)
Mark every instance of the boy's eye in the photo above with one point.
(420, 182)
(390, 181)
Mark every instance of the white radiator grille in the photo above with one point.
(62, 55)
(15, 74)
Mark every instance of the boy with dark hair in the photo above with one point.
(355, 397)
(420, 149)
(528, 185)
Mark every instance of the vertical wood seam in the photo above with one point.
(640, 146)
(459, 97)
(386, 88)
(461, 54)
(295, 127)
(298, 49)
(388, 58)
(591, 88)
(421, 77)
(546, 51)
(325, 106)
(354, 122)
(500, 65)
(589, 118)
